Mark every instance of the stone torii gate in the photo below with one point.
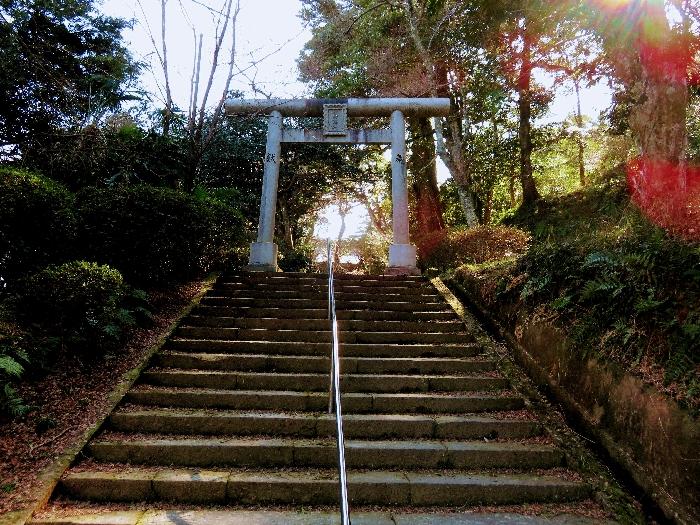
(335, 112)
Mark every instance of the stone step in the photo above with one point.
(321, 313)
(97, 516)
(359, 426)
(320, 382)
(322, 287)
(323, 349)
(318, 488)
(266, 453)
(267, 277)
(320, 336)
(357, 403)
(376, 304)
(323, 324)
(340, 296)
(321, 365)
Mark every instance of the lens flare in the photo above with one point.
(616, 4)
(668, 194)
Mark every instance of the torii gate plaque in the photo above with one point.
(335, 112)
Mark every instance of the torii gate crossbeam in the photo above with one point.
(402, 254)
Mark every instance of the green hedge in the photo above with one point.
(37, 223)
(80, 306)
(151, 235)
(156, 235)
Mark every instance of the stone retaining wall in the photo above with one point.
(644, 431)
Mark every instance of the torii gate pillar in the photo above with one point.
(402, 254)
(263, 253)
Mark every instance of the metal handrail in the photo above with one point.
(334, 397)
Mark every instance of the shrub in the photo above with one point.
(452, 248)
(372, 250)
(156, 235)
(80, 305)
(37, 223)
(297, 259)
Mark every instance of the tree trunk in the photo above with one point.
(343, 210)
(530, 193)
(450, 148)
(488, 206)
(421, 165)
(190, 176)
(579, 134)
(658, 120)
(288, 235)
(168, 111)
(659, 178)
(466, 198)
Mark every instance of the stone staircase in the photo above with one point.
(233, 412)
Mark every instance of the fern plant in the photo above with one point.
(10, 367)
(12, 364)
(600, 259)
(11, 403)
(605, 285)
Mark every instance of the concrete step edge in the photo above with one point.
(290, 452)
(231, 380)
(220, 321)
(378, 487)
(303, 517)
(359, 426)
(358, 403)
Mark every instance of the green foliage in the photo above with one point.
(452, 212)
(372, 250)
(63, 64)
(117, 153)
(13, 360)
(235, 160)
(297, 259)
(627, 291)
(231, 172)
(37, 223)
(10, 367)
(155, 235)
(81, 305)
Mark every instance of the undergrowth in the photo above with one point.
(14, 359)
(626, 291)
(480, 244)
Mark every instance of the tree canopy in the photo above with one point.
(63, 65)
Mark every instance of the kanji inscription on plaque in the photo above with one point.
(335, 120)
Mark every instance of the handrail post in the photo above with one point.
(334, 397)
(330, 318)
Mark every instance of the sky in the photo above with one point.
(265, 28)
(269, 38)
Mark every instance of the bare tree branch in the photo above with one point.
(196, 70)
(229, 77)
(215, 57)
(168, 93)
(364, 13)
(208, 8)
